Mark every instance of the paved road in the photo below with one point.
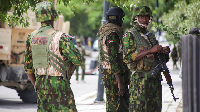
(10, 101)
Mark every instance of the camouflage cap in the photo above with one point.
(45, 11)
(141, 10)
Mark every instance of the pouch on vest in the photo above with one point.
(39, 44)
(142, 45)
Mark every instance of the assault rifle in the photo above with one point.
(161, 66)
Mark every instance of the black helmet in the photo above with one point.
(115, 15)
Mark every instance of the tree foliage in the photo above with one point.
(182, 18)
(85, 15)
(84, 19)
(19, 7)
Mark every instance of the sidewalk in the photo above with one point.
(168, 104)
(85, 103)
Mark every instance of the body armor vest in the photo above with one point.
(42, 56)
(147, 63)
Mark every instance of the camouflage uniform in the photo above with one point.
(145, 91)
(174, 55)
(52, 84)
(111, 55)
(82, 52)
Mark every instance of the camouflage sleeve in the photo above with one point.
(28, 63)
(129, 52)
(69, 50)
(112, 43)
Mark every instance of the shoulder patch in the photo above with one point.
(39, 40)
(66, 35)
(110, 41)
(125, 35)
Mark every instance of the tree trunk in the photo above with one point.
(2, 24)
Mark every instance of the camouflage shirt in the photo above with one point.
(66, 48)
(130, 50)
(112, 43)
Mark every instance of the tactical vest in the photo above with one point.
(147, 63)
(41, 55)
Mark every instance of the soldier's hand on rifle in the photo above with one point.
(121, 89)
(166, 50)
(156, 48)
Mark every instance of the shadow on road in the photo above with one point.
(16, 104)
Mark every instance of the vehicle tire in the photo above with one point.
(28, 96)
(3, 72)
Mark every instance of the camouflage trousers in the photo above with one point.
(54, 95)
(114, 102)
(83, 71)
(145, 93)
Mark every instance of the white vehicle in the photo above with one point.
(95, 45)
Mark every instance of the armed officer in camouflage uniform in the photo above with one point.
(145, 91)
(50, 59)
(81, 49)
(115, 72)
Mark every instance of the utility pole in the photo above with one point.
(158, 31)
(156, 14)
(105, 9)
(100, 91)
